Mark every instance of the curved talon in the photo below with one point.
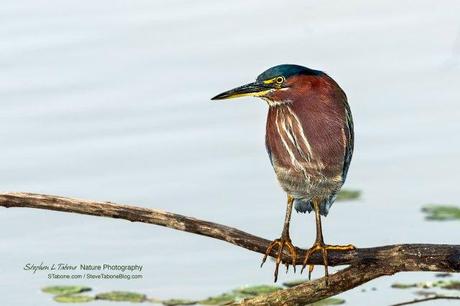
(310, 269)
(267, 252)
(324, 248)
(281, 243)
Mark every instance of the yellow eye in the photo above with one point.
(279, 80)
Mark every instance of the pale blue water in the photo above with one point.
(109, 100)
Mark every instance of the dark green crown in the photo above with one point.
(287, 71)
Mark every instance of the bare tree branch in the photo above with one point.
(431, 298)
(365, 263)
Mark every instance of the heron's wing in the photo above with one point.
(350, 139)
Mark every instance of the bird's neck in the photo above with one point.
(278, 103)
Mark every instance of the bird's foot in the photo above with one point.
(281, 244)
(319, 246)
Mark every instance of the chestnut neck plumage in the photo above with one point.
(306, 125)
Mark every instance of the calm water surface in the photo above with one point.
(109, 100)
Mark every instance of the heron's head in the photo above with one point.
(277, 85)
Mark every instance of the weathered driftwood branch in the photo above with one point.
(432, 298)
(365, 263)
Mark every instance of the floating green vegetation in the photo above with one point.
(452, 285)
(72, 294)
(348, 195)
(122, 296)
(329, 301)
(294, 283)
(221, 299)
(256, 290)
(403, 286)
(441, 212)
(443, 284)
(73, 298)
(178, 302)
(61, 290)
(239, 294)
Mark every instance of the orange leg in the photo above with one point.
(320, 246)
(283, 243)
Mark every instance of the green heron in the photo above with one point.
(309, 140)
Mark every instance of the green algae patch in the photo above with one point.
(403, 286)
(443, 284)
(257, 290)
(73, 295)
(65, 290)
(451, 285)
(221, 299)
(178, 302)
(329, 301)
(239, 294)
(348, 195)
(122, 296)
(294, 283)
(73, 298)
(441, 212)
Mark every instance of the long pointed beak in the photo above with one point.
(251, 89)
